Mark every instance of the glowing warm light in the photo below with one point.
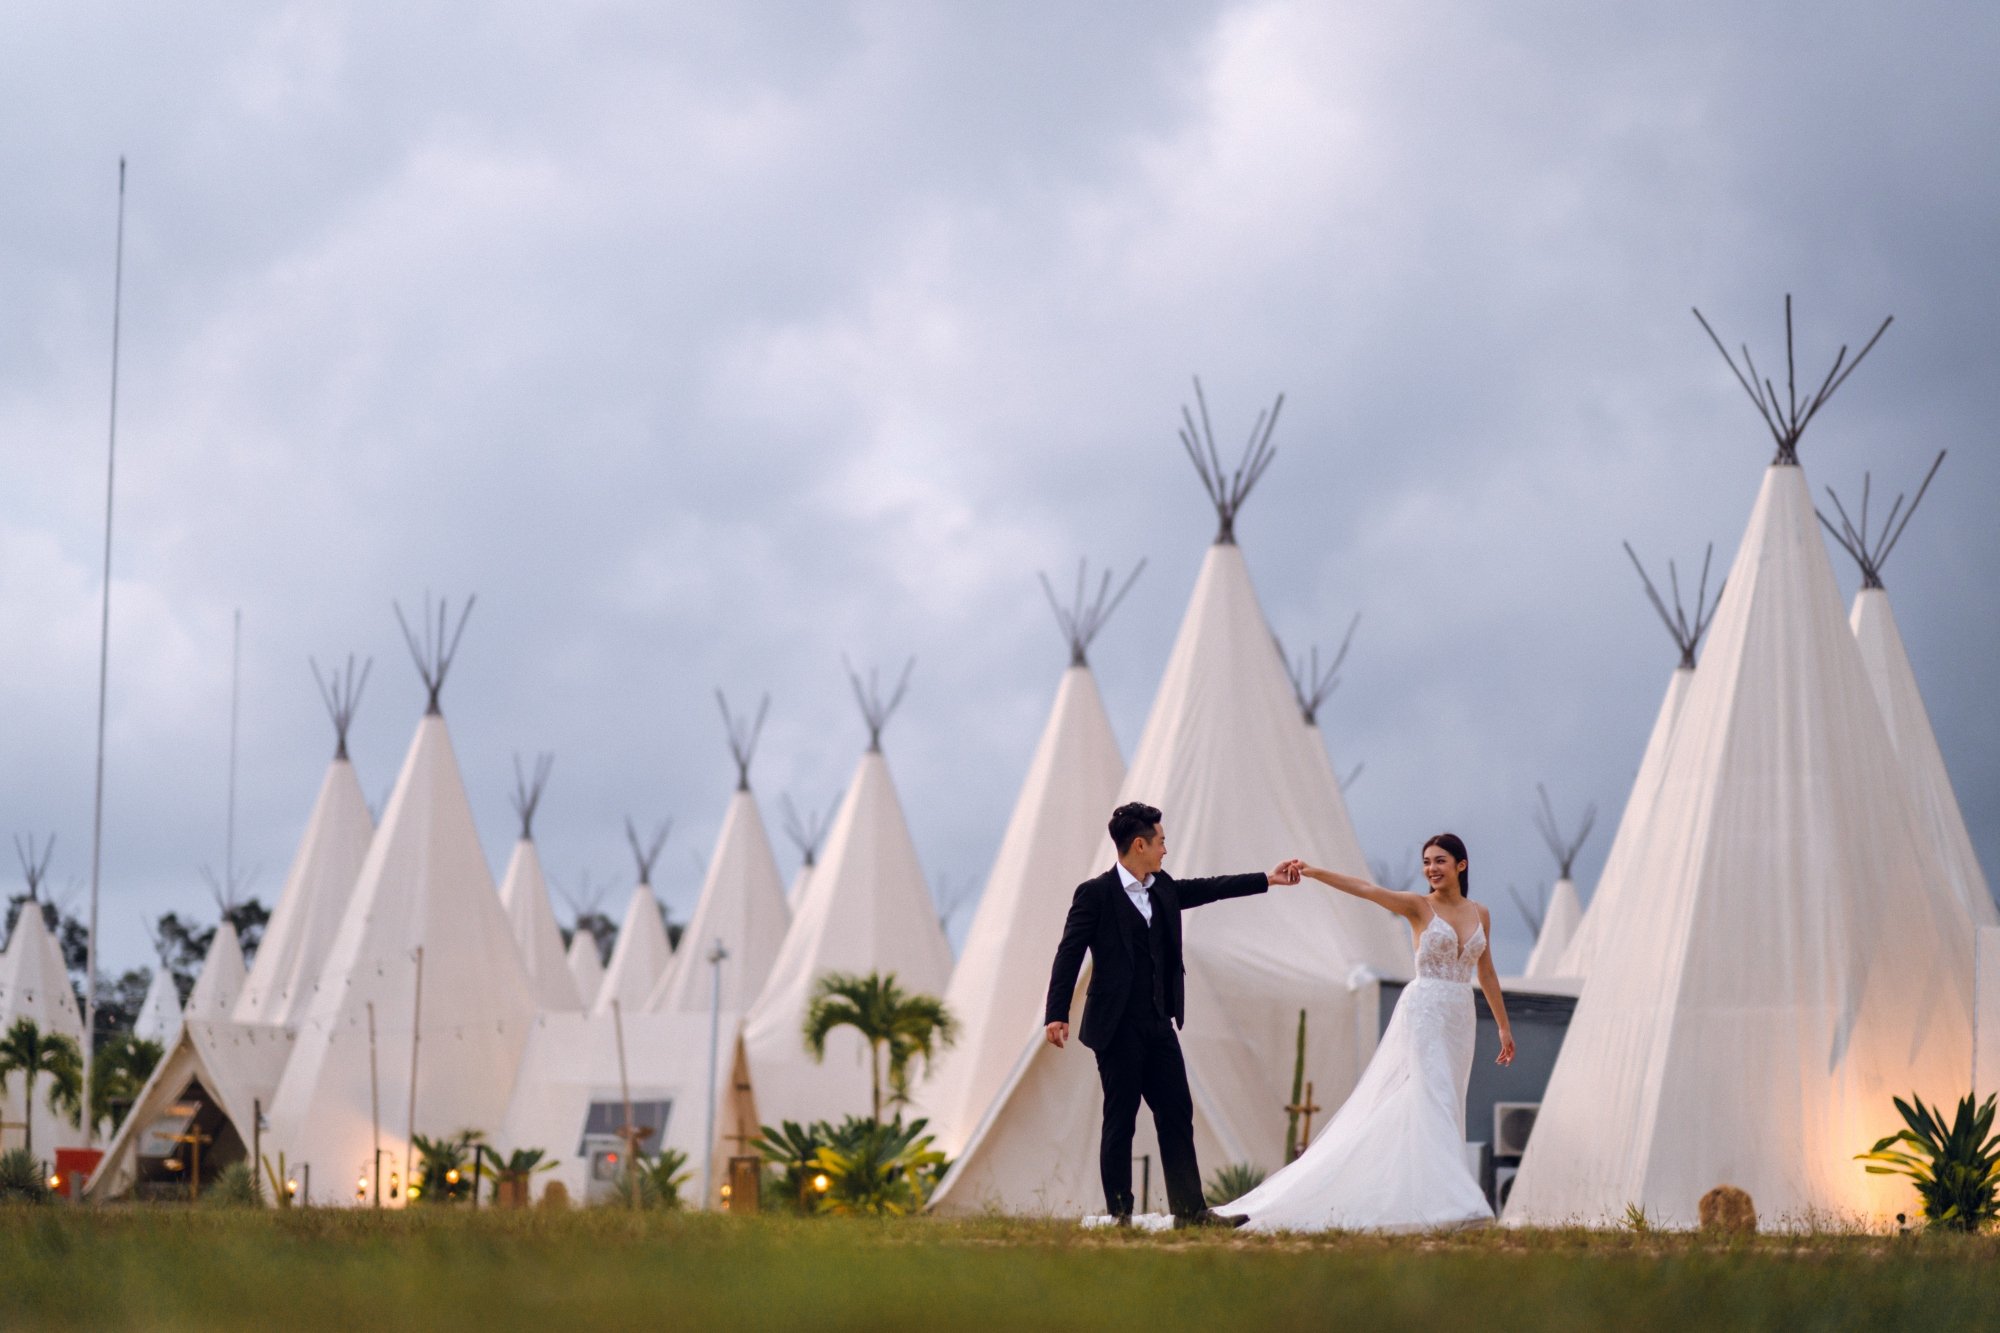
(416, 1191)
(55, 1182)
(821, 1183)
(291, 1187)
(612, 1158)
(451, 1176)
(172, 1164)
(725, 1194)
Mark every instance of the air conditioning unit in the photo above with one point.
(1512, 1123)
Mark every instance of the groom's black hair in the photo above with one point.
(1135, 820)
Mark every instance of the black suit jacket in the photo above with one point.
(1098, 921)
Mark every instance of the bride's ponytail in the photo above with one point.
(1454, 846)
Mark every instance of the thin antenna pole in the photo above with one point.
(103, 669)
(416, 1033)
(229, 828)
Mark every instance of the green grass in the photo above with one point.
(161, 1268)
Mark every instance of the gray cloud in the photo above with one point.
(706, 346)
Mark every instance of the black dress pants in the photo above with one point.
(1143, 1061)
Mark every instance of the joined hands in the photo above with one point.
(1287, 872)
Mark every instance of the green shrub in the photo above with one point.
(1232, 1182)
(791, 1150)
(236, 1187)
(1956, 1171)
(21, 1179)
(659, 1180)
(878, 1169)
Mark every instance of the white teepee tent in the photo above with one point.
(866, 909)
(282, 980)
(220, 981)
(640, 956)
(160, 1013)
(586, 965)
(1053, 839)
(1560, 917)
(806, 832)
(1895, 682)
(742, 904)
(524, 895)
(1242, 785)
(1797, 958)
(34, 984)
(423, 978)
(1614, 881)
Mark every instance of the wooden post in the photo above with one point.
(374, 1110)
(629, 1132)
(1304, 1109)
(416, 1029)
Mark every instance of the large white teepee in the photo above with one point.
(424, 905)
(34, 984)
(586, 965)
(524, 895)
(1053, 839)
(1798, 958)
(160, 1013)
(1242, 785)
(1909, 723)
(220, 982)
(742, 905)
(1560, 917)
(1614, 881)
(282, 980)
(640, 956)
(866, 909)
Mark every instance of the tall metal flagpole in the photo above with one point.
(235, 692)
(716, 954)
(103, 676)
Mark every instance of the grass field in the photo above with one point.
(207, 1269)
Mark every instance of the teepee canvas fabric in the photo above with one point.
(524, 895)
(282, 980)
(1986, 1058)
(1615, 882)
(1242, 785)
(639, 958)
(425, 885)
(865, 909)
(1053, 840)
(742, 905)
(586, 967)
(160, 1015)
(1559, 924)
(1929, 784)
(221, 979)
(34, 984)
(1797, 956)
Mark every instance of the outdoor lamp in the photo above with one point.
(416, 1192)
(725, 1191)
(821, 1183)
(55, 1182)
(291, 1188)
(451, 1176)
(172, 1164)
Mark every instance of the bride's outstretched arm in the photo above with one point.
(1496, 999)
(1406, 905)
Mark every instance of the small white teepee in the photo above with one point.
(1559, 919)
(1054, 839)
(742, 903)
(423, 978)
(640, 956)
(586, 965)
(866, 909)
(1614, 881)
(1798, 957)
(282, 980)
(34, 984)
(524, 895)
(160, 1014)
(220, 981)
(1903, 711)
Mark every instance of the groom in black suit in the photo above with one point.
(1129, 918)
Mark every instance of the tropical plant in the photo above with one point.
(512, 1173)
(1232, 1182)
(21, 1179)
(1956, 1171)
(27, 1050)
(236, 1187)
(124, 1063)
(1636, 1220)
(893, 1022)
(655, 1182)
(281, 1182)
(793, 1150)
(442, 1175)
(879, 1169)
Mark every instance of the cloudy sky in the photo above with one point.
(709, 343)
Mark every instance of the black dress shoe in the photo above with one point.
(1208, 1217)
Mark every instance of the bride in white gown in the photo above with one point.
(1393, 1157)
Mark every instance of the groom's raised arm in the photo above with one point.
(1076, 937)
(1214, 888)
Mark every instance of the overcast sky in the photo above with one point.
(707, 343)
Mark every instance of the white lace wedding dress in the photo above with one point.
(1393, 1156)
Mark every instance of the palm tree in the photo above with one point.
(26, 1049)
(118, 1075)
(905, 1025)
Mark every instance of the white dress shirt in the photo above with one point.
(1136, 891)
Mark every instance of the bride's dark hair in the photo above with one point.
(1454, 847)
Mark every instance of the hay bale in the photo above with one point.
(1726, 1208)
